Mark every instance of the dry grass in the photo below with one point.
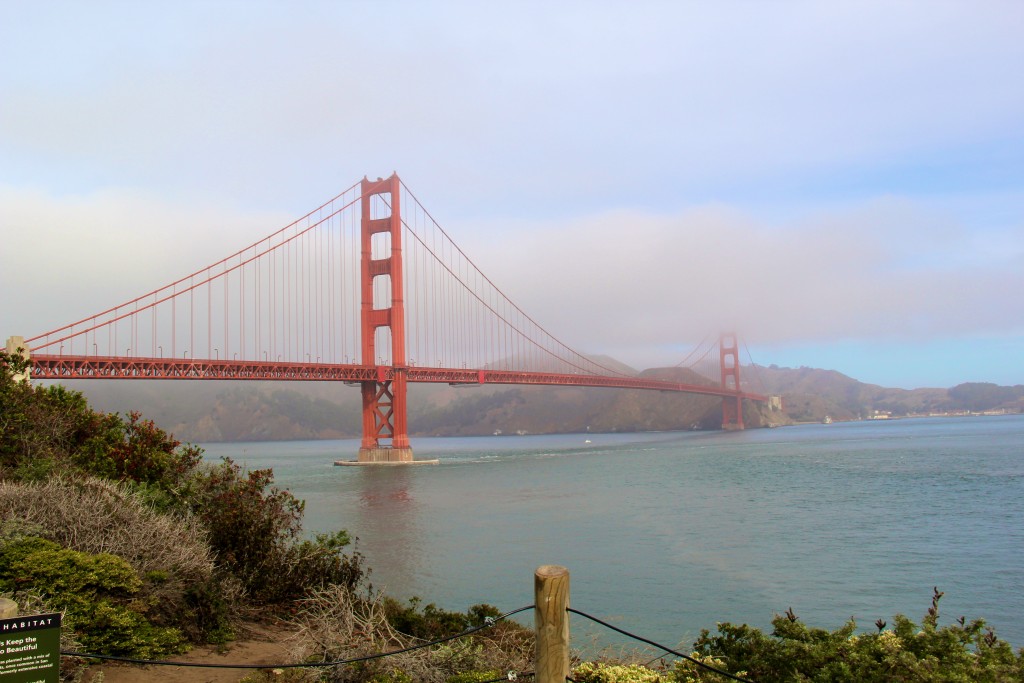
(334, 625)
(97, 516)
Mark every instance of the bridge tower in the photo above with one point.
(385, 431)
(729, 361)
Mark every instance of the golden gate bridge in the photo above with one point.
(367, 289)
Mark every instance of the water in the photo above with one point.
(665, 534)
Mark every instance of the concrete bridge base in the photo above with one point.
(16, 347)
(385, 455)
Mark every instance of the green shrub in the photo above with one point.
(319, 562)
(688, 671)
(254, 531)
(392, 677)
(136, 450)
(456, 656)
(204, 613)
(96, 591)
(599, 672)
(963, 651)
(474, 676)
(249, 521)
(127, 487)
(94, 516)
(50, 429)
(283, 676)
(430, 622)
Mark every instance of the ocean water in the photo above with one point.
(668, 533)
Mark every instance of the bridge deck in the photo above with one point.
(105, 367)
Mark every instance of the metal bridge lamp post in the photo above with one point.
(216, 354)
(161, 350)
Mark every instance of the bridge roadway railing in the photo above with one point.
(108, 367)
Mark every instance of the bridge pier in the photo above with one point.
(729, 362)
(384, 408)
(385, 455)
(15, 347)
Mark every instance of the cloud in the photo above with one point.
(634, 176)
(888, 269)
(68, 257)
(598, 107)
(640, 286)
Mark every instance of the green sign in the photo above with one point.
(30, 649)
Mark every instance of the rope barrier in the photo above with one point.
(489, 622)
(660, 646)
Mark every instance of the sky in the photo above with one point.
(841, 183)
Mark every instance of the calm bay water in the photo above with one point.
(665, 534)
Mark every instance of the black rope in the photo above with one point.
(659, 646)
(340, 662)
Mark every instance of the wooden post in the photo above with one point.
(8, 609)
(551, 600)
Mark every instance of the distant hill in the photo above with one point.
(269, 411)
(810, 394)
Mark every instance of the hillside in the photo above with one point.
(810, 394)
(268, 411)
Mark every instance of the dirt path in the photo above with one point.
(260, 644)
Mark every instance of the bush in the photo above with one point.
(334, 625)
(474, 676)
(101, 482)
(136, 450)
(254, 529)
(96, 591)
(249, 522)
(430, 621)
(963, 651)
(590, 672)
(94, 516)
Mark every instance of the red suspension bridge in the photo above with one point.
(284, 308)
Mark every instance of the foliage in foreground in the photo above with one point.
(962, 652)
(97, 593)
(147, 548)
(334, 625)
(202, 541)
